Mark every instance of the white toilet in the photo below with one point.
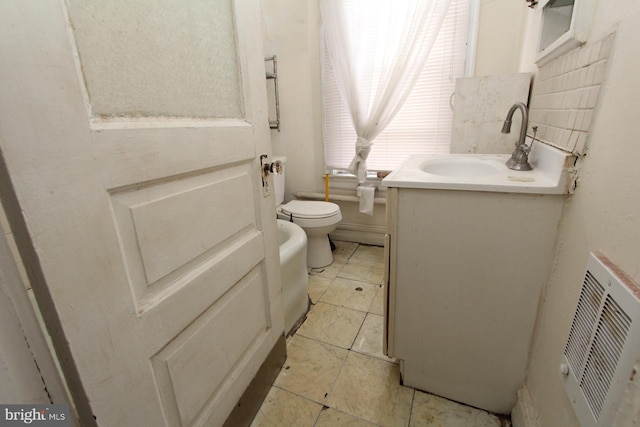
(317, 219)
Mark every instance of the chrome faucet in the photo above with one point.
(519, 158)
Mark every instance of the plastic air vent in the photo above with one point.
(603, 342)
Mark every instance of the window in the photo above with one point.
(423, 124)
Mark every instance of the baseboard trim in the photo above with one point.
(252, 398)
(524, 414)
(359, 233)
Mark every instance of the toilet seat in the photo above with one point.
(310, 209)
(311, 214)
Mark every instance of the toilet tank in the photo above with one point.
(278, 180)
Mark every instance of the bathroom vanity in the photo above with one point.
(470, 246)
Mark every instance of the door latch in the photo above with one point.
(267, 168)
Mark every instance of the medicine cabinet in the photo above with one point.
(564, 25)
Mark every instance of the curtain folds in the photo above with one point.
(377, 49)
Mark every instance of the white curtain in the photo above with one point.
(376, 61)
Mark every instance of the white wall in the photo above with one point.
(602, 215)
(500, 37)
(292, 32)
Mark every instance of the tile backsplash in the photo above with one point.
(565, 93)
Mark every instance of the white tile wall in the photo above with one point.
(564, 95)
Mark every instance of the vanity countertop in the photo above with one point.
(487, 172)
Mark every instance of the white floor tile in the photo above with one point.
(332, 324)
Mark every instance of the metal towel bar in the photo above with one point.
(273, 75)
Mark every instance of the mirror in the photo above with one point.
(564, 26)
(556, 21)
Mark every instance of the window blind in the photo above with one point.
(423, 124)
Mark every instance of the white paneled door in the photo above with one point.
(132, 131)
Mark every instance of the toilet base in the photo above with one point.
(318, 251)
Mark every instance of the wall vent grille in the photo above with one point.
(583, 321)
(603, 342)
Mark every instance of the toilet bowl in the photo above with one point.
(316, 218)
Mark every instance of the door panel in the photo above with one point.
(160, 57)
(173, 224)
(142, 151)
(156, 242)
(193, 364)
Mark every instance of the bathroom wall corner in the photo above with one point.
(524, 414)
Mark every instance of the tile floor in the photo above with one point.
(335, 373)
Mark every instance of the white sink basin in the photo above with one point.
(486, 172)
(461, 167)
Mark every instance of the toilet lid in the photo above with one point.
(310, 209)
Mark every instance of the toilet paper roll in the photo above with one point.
(366, 195)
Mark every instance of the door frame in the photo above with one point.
(48, 359)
